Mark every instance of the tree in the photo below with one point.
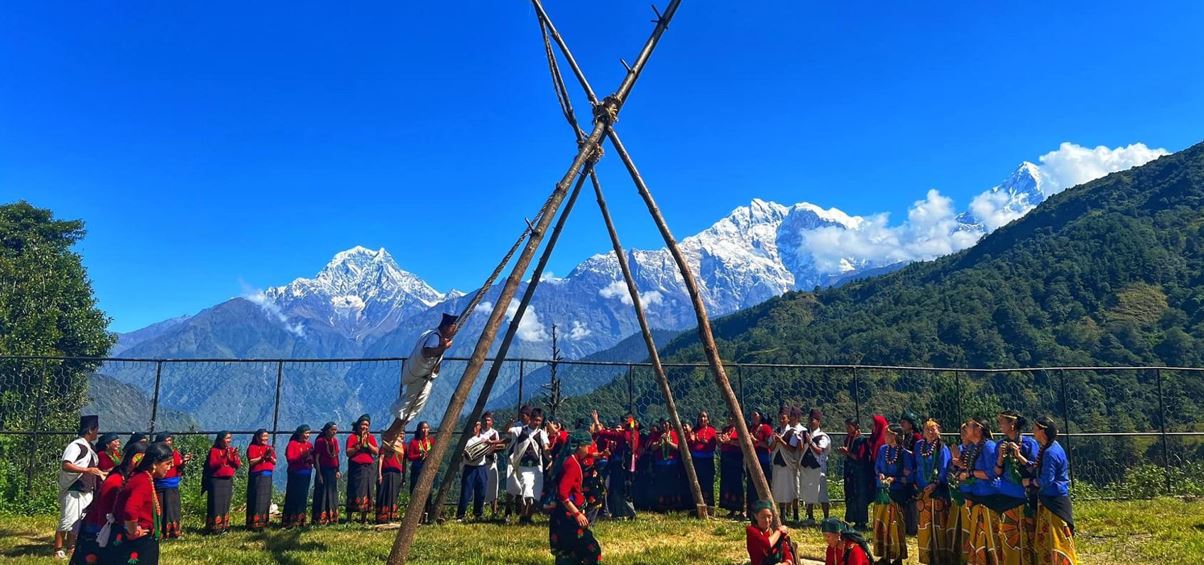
(47, 309)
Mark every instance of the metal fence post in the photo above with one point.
(740, 378)
(957, 386)
(1066, 423)
(857, 395)
(155, 397)
(276, 408)
(39, 422)
(1166, 458)
(522, 374)
(631, 389)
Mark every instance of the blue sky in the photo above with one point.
(208, 145)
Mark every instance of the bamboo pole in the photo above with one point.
(499, 358)
(547, 28)
(497, 271)
(662, 380)
(704, 326)
(605, 113)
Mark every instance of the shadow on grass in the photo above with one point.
(279, 543)
(33, 546)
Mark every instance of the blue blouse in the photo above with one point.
(1054, 474)
(900, 470)
(986, 464)
(1007, 484)
(923, 467)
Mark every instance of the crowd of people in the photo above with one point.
(985, 499)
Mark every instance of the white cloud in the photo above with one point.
(259, 298)
(618, 289)
(1072, 164)
(529, 328)
(579, 331)
(483, 307)
(931, 230)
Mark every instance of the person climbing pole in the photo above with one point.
(418, 375)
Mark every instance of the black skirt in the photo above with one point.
(326, 497)
(387, 493)
(169, 508)
(750, 493)
(668, 481)
(360, 479)
(731, 481)
(142, 551)
(217, 517)
(296, 499)
(704, 468)
(569, 542)
(259, 499)
(87, 549)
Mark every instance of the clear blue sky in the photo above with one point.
(211, 143)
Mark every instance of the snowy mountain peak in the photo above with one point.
(1026, 181)
(359, 291)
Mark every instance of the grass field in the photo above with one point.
(1164, 531)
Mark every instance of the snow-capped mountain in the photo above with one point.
(361, 293)
(1022, 191)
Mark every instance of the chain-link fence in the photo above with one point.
(1131, 432)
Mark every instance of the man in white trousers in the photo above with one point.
(418, 375)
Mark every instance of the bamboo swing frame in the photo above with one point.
(605, 113)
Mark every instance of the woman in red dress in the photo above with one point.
(361, 471)
(223, 460)
(299, 453)
(168, 488)
(108, 452)
(137, 510)
(326, 481)
(845, 544)
(569, 535)
(97, 528)
(767, 545)
(261, 456)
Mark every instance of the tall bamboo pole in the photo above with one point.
(547, 28)
(500, 356)
(662, 380)
(704, 325)
(605, 114)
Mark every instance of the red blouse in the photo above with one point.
(362, 457)
(105, 499)
(328, 452)
(836, 555)
(268, 463)
(705, 440)
(664, 452)
(299, 455)
(418, 447)
(626, 441)
(105, 462)
(177, 465)
(759, 548)
(223, 462)
(569, 487)
(761, 437)
(731, 448)
(391, 462)
(137, 501)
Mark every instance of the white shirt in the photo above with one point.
(824, 443)
(80, 454)
(537, 439)
(418, 366)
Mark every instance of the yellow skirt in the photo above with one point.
(890, 532)
(1016, 533)
(984, 536)
(957, 531)
(932, 530)
(1054, 541)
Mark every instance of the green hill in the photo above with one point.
(1107, 273)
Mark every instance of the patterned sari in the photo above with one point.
(984, 536)
(890, 527)
(933, 536)
(1054, 541)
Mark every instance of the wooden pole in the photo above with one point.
(548, 29)
(605, 114)
(500, 357)
(700, 504)
(704, 325)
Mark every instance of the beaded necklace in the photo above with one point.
(892, 457)
(154, 507)
(927, 448)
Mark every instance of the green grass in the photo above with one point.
(1165, 531)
